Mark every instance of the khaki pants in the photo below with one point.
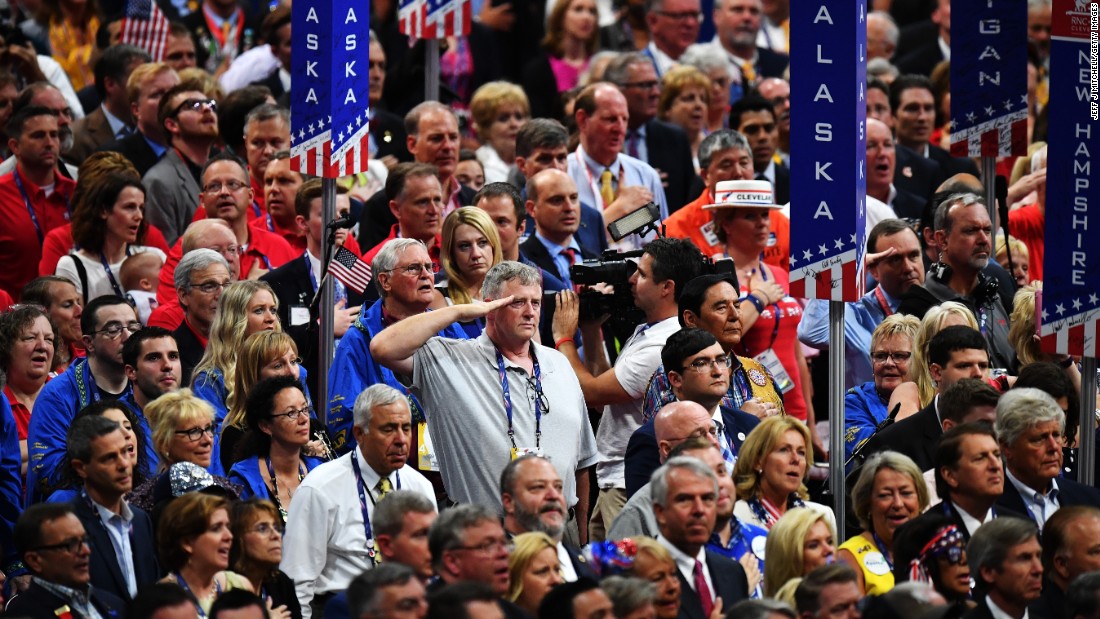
(608, 505)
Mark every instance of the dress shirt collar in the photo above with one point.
(684, 562)
(595, 168)
(106, 515)
(971, 523)
(1034, 499)
(945, 48)
(114, 122)
(80, 599)
(370, 476)
(890, 195)
(556, 249)
(997, 612)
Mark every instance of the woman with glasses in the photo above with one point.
(183, 431)
(193, 542)
(256, 552)
(931, 549)
(108, 226)
(266, 354)
(890, 492)
(770, 471)
(865, 406)
(27, 352)
(471, 246)
(273, 463)
(572, 36)
(244, 307)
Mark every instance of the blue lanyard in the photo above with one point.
(275, 484)
(30, 207)
(508, 399)
(270, 222)
(257, 210)
(198, 607)
(883, 550)
(338, 291)
(110, 275)
(309, 269)
(363, 494)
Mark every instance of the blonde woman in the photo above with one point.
(918, 393)
(183, 431)
(890, 492)
(244, 308)
(499, 109)
(265, 354)
(801, 540)
(534, 570)
(771, 470)
(653, 563)
(470, 247)
(684, 102)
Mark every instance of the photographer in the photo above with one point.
(663, 269)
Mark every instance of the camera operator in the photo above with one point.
(663, 269)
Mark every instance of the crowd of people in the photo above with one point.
(501, 436)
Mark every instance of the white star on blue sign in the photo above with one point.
(824, 250)
(1076, 304)
(1061, 309)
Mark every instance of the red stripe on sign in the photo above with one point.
(851, 281)
(1019, 137)
(991, 143)
(798, 288)
(824, 288)
(959, 148)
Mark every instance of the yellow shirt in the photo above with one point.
(878, 578)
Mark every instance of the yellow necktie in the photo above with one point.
(607, 192)
(384, 487)
(749, 74)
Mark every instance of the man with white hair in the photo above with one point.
(492, 399)
(331, 540)
(882, 35)
(1031, 430)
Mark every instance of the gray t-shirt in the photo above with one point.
(636, 518)
(458, 383)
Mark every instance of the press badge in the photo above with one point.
(782, 379)
(299, 315)
(425, 455)
(523, 451)
(709, 234)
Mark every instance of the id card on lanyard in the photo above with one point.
(768, 358)
(507, 395)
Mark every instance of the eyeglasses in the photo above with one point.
(699, 433)
(209, 287)
(194, 434)
(898, 357)
(415, 269)
(489, 546)
(295, 414)
(682, 15)
(71, 546)
(231, 249)
(538, 394)
(195, 105)
(114, 329)
(702, 365)
(650, 85)
(231, 185)
(265, 529)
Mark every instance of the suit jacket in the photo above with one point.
(1069, 493)
(643, 456)
(38, 603)
(389, 135)
(1051, 604)
(916, 174)
(668, 150)
(730, 584)
(104, 566)
(952, 165)
(908, 206)
(89, 133)
(590, 235)
(171, 196)
(782, 185)
(377, 219)
(294, 289)
(914, 436)
(770, 64)
(981, 611)
(922, 59)
(945, 508)
(136, 149)
(542, 88)
(191, 351)
(536, 252)
(201, 36)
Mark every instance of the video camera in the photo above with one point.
(615, 269)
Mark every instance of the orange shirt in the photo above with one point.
(697, 225)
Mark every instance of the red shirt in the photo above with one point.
(5, 300)
(781, 336)
(268, 223)
(268, 249)
(697, 225)
(20, 243)
(433, 251)
(21, 413)
(168, 315)
(1027, 224)
(59, 242)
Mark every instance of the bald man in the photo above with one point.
(212, 234)
(554, 205)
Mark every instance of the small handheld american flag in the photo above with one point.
(350, 270)
(146, 27)
(435, 19)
